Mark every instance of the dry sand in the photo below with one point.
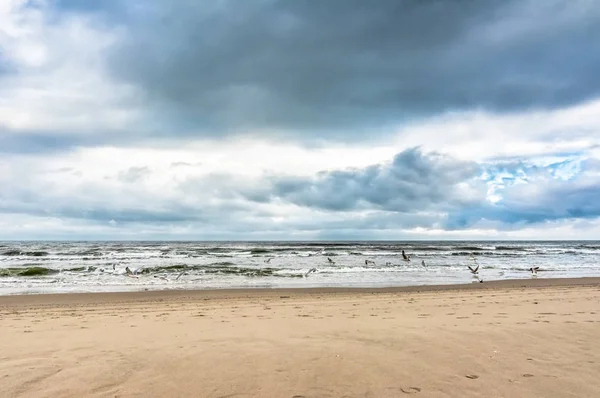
(509, 339)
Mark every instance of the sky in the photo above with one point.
(299, 120)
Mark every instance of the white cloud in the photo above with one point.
(480, 135)
(57, 81)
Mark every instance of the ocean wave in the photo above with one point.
(475, 254)
(589, 247)
(16, 252)
(222, 268)
(512, 248)
(29, 271)
(260, 250)
(429, 248)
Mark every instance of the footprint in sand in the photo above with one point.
(410, 390)
(472, 377)
(527, 375)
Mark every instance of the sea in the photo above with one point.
(67, 267)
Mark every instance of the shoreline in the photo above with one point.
(238, 293)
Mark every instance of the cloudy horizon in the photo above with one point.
(299, 120)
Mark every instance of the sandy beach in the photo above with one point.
(537, 338)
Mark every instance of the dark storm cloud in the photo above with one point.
(34, 142)
(413, 181)
(40, 141)
(339, 64)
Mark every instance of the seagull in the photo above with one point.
(179, 276)
(405, 257)
(130, 273)
(268, 260)
(475, 270)
(367, 262)
(423, 263)
(138, 270)
(309, 271)
(133, 273)
(330, 261)
(534, 270)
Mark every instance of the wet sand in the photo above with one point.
(525, 338)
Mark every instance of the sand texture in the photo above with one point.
(536, 338)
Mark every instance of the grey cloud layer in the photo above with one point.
(334, 65)
(415, 189)
(453, 193)
(413, 181)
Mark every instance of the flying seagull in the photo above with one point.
(534, 270)
(405, 257)
(132, 274)
(423, 263)
(330, 261)
(310, 270)
(475, 270)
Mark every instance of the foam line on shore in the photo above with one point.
(103, 297)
